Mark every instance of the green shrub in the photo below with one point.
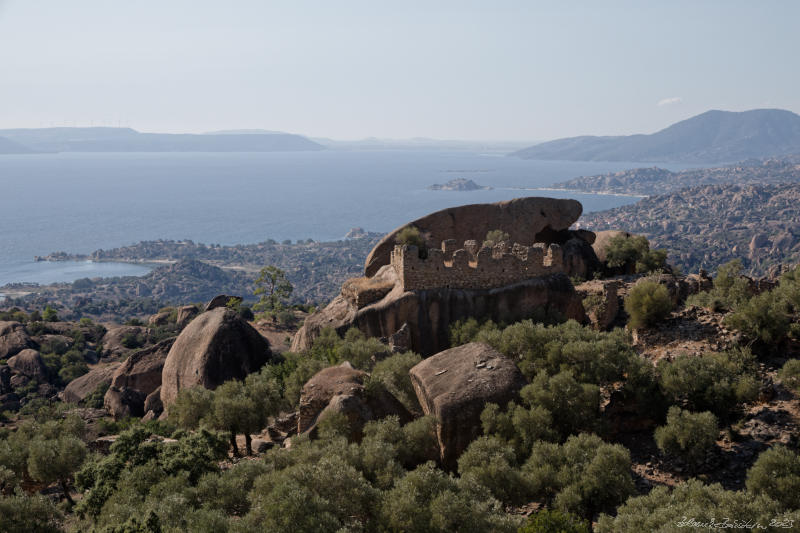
(686, 435)
(668, 510)
(593, 356)
(327, 495)
(573, 406)
(227, 491)
(790, 375)
(300, 369)
(582, 476)
(393, 374)
(466, 331)
(190, 406)
(776, 474)
(411, 236)
(764, 318)
(387, 448)
(495, 236)
(359, 349)
(427, 500)
(133, 340)
(95, 399)
(49, 314)
(634, 250)
(491, 463)
(21, 513)
(547, 521)
(716, 382)
(55, 460)
(518, 425)
(647, 303)
(730, 289)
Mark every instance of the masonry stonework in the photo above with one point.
(472, 267)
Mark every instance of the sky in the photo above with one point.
(349, 69)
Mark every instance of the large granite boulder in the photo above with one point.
(455, 385)
(13, 339)
(340, 389)
(29, 363)
(526, 220)
(135, 379)
(185, 315)
(215, 347)
(159, 319)
(78, 389)
(430, 313)
(221, 300)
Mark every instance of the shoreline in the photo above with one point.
(577, 191)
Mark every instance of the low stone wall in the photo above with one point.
(472, 267)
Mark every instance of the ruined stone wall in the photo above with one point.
(472, 267)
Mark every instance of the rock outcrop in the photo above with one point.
(221, 300)
(29, 363)
(158, 319)
(455, 385)
(340, 389)
(13, 339)
(430, 313)
(135, 379)
(215, 347)
(185, 315)
(78, 389)
(526, 220)
(602, 302)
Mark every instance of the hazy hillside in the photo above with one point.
(654, 180)
(10, 147)
(129, 140)
(711, 137)
(704, 227)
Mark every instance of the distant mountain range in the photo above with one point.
(654, 180)
(711, 137)
(7, 146)
(129, 140)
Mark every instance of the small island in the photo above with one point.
(458, 184)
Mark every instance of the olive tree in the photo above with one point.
(55, 460)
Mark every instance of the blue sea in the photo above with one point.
(80, 202)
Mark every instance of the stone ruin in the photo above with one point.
(474, 266)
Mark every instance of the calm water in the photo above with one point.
(81, 202)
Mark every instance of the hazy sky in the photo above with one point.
(349, 69)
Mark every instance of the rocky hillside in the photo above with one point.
(704, 227)
(654, 180)
(711, 137)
